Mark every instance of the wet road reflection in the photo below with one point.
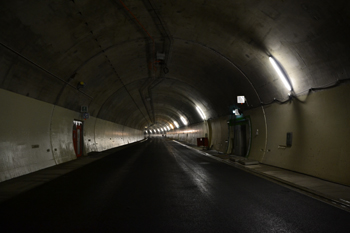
(161, 186)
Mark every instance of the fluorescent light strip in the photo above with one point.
(184, 120)
(200, 111)
(280, 73)
(176, 124)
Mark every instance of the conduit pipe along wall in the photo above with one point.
(35, 135)
(140, 24)
(147, 85)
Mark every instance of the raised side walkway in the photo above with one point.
(329, 192)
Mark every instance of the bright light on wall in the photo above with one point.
(240, 99)
(176, 124)
(168, 128)
(280, 73)
(158, 130)
(200, 111)
(171, 126)
(155, 131)
(184, 120)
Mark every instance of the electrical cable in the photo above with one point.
(140, 24)
(313, 89)
(337, 83)
(126, 8)
(278, 101)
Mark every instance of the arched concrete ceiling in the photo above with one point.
(214, 51)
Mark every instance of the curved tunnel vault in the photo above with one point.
(149, 63)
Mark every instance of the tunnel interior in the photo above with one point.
(128, 68)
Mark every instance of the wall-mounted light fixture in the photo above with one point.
(168, 128)
(184, 121)
(201, 113)
(280, 73)
(171, 126)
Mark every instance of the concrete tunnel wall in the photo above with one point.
(320, 126)
(319, 117)
(36, 135)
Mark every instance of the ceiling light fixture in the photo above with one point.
(184, 120)
(280, 73)
(200, 111)
(176, 124)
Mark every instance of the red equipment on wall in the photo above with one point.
(78, 137)
(203, 142)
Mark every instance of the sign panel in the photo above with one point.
(84, 109)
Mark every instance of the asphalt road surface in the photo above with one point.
(161, 186)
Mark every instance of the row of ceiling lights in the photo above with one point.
(182, 118)
(275, 65)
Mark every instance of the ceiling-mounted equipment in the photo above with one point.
(176, 124)
(160, 56)
(280, 73)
